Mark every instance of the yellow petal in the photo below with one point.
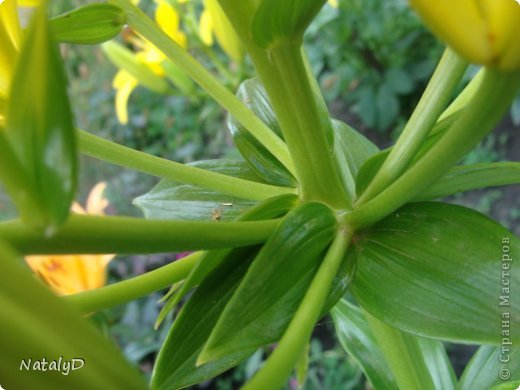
(503, 21)
(206, 28)
(333, 3)
(76, 207)
(71, 274)
(124, 83)
(483, 31)
(29, 3)
(10, 41)
(96, 202)
(224, 32)
(168, 19)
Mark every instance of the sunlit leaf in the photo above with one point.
(37, 325)
(40, 125)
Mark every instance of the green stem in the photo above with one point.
(487, 107)
(279, 365)
(136, 287)
(149, 30)
(449, 71)
(403, 355)
(86, 234)
(286, 80)
(305, 125)
(100, 148)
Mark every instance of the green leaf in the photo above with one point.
(470, 177)
(372, 165)
(356, 337)
(435, 270)
(40, 127)
(270, 293)
(126, 60)
(438, 363)
(507, 386)
(170, 200)
(269, 209)
(491, 366)
(39, 325)
(278, 23)
(90, 24)
(252, 93)
(176, 366)
(351, 150)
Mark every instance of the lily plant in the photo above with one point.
(314, 220)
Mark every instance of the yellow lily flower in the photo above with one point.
(483, 31)
(71, 274)
(213, 21)
(124, 83)
(10, 41)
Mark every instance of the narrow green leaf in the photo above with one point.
(40, 125)
(171, 200)
(125, 59)
(356, 337)
(470, 177)
(274, 285)
(438, 363)
(279, 23)
(269, 209)
(176, 367)
(252, 93)
(491, 366)
(440, 271)
(90, 24)
(351, 150)
(37, 325)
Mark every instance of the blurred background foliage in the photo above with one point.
(372, 58)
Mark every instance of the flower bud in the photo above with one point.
(483, 31)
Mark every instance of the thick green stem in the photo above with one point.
(449, 71)
(133, 288)
(290, 348)
(102, 149)
(304, 124)
(297, 107)
(479, 117)
(403, 355)
(86, 234)
(149, 30)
